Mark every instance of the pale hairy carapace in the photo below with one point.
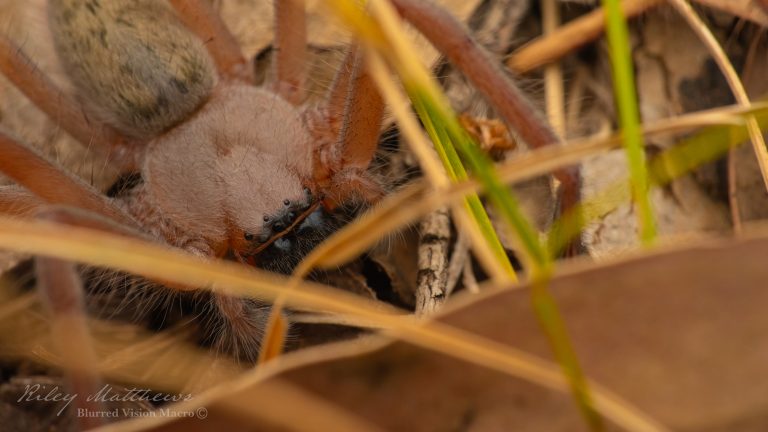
(227, 163)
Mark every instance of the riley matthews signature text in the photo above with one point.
(40, 393)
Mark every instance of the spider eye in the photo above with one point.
(248, 236)
(287, 202)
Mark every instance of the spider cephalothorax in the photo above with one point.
(223, 169)
(227, 167)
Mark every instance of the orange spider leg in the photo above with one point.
(51, 184)
(16, 201)
(291, 48)
(359, 136)
(203, 21)
(62, 290)
(353, 113)
(336, 99)
(77, 217)
(451, 38)
(62, 109)
(364, 111)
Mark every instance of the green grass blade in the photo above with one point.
(629, 117)
(455, 169)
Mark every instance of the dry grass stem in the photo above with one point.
(569, 37)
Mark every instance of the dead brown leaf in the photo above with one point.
(680, 334)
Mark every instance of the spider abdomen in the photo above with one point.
(133, 62)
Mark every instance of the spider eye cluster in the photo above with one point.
(283, 218)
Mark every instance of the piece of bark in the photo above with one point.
(432, 280)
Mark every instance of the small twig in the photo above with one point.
(432, 279)
(469, 280)
(459, 257)
(733, 193)
(575, 99)
(553, 73)
(752, 55)
(733, 190)
(742, 8)
(569, 37)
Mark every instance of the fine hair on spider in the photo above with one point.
(220, 168)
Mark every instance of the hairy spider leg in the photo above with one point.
(200, 18)
(363, 113)
(52, 184)
(291, 48)
(16, 201)
(352, 117)
(359, 134)
(62, 291)
(63, 109)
